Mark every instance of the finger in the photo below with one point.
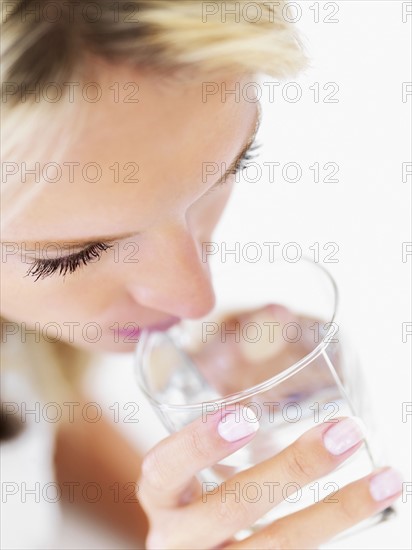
(313, 455)
(170, 466)
(318, 523)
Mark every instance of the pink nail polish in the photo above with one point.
(237, 425)
(385, 484)
(343, 435)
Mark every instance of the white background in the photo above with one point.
(367, 213)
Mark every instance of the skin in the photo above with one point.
(167, 214)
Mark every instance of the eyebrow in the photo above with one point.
(68, 244)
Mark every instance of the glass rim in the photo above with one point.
(253, 390)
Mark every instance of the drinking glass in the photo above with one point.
(273, 346)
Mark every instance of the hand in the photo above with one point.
(181, 519)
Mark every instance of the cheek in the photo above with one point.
(19, 302)
(50, 300)
(72, 311)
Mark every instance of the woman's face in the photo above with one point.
(157, 200)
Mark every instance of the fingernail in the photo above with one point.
(235, 426)
(385, 484)
(343, 435)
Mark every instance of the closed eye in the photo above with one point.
(42, 268)
(248, 155)
(238, 165)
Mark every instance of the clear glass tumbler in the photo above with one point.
(272, 345)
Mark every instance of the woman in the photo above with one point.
(111, 112)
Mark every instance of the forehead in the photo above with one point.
(141, 144)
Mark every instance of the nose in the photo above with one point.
(173, 278)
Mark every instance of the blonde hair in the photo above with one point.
(47, 41)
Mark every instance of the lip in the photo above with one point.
(134, 332)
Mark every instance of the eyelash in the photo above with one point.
(41, 269)
(249, 155)
(68, 264)
(241, 165)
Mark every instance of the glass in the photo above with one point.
(274, 345)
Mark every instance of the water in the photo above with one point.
(326, 388)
